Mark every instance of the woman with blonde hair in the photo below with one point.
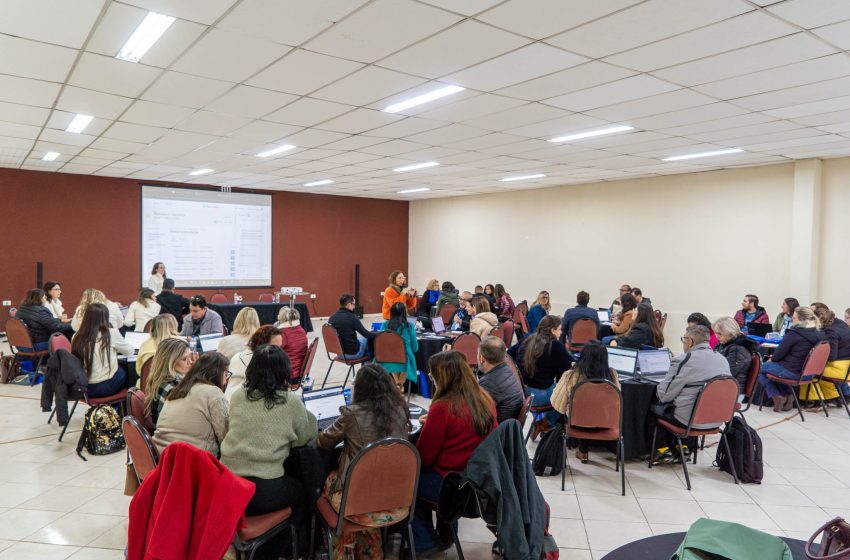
(539, 309)
(736, 347)
(294, 339)
(172, 361)
(142, 310)
(163, 327)
(93, 295)
(429, 298)
(247, 322)
(837, 333)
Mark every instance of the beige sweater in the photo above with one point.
(232, 344)
(139, 315)
(200, 418)
(483, 323)
(103, 370)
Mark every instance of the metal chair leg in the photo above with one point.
(843, 400)
(652, 447)
(622, 459)
(566, 463)
(729, 454)
(294, 540)
(347, 375)
(327, 373)
(797, 402)
(684, 461)
(52, 414)
(410, 544)
(818, 392)
(71, 415)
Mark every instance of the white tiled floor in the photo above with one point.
(55, 506)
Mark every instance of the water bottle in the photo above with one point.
(347, 394)
(307, 384)
(193, 344)
(235, 298)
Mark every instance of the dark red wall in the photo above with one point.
(86, 231)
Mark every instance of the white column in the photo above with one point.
(805, 231)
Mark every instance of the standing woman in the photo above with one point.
(163, 327)
(97, 345)
(173, 360)
(398, 323)
(247, 322)
(39, 321)
(142, 310)
(462, 415)
(398, 292)
(157, 278)
(504, 303)
(783, 320)
(53, 290)
(539, 309)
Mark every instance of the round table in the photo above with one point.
(662, 547)
(428, 346)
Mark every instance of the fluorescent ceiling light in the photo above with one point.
(704, 154)
(415, 166)
(50, 156)
(593, 133)
(521, 178)
(143, 38)
(409, 191)
(275, 151)
(203, 171)
(319, 183)
(79, 123)
(424, 98)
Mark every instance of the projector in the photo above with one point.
(291, 290)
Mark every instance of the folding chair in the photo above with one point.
(141, 449)
(136, 408)
(219, 298)
(508, 328)
(467, 344)
(752, 381)
(583, 330)
(334, 346)
(446, 312)
(267, 297)
(307, 364)
(23, 348)
(390, 348)
(812, 370)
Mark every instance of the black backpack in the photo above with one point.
(549, 455)
(102, 433)
(746, 451)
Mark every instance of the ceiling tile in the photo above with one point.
(265, 131)
(380, 29)
(472, 107)
(359, 120)
(202, 11)
(308, 112)
(246, 101)
(718, 124)
(229, 55)
(406, 127)
(60, 23)
(302, 72)
(208, 122)
(31, 59)
(174, 88)
(560, 126)
(354, 143)
(155, 114)
(812, 13)
(450, 133)
(837, 34)
(392, 148)
(311, 138)
(687, 116)
(69, 138)
(134, 132)
(635, 87)
(542, 18)
(61, 119)
(23, 114)
(465, 7)
(110, 75)
(815, 108)
(518, 116)
(657, 104)
(28, 92)
(796, 95)
(572, 79)
(367, 86)
(88, 102)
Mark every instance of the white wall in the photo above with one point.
(834, 273)
(692, 242)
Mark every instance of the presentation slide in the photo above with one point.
(207, 239)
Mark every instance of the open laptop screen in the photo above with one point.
(624, 360)
(654, 362)
(136, 338)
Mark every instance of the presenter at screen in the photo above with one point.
(398, 292)
(201, 320)
(157, 277)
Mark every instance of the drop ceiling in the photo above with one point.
(233, 78)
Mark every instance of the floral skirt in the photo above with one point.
(363, 545)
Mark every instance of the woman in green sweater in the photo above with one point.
(266, 421)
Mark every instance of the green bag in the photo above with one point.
(721, 540)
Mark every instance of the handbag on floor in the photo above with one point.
(835, 543)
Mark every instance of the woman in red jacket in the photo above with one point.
(462, 415)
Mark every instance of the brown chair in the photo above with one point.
(259, 529)
(715, 404)
(58, 341)
(584, 329)
(467, 344)
(812, 370)
(596, 412)
(219, 298)
(752, 381)
(498, 332)
(141, 449)
(508, 327)
(446, 312)
(266, 297)
(382, 476)
(523, 411)
(307, 364)
(19, 337)
(136, 408)
(334, 346)
(661, 318)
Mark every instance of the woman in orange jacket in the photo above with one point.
(398, 292)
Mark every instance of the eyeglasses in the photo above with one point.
(228, 375)
(685, 338)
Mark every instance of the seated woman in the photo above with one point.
(93, 295)
(398, 323)
(294, 338)
(541, 359)
(644, 332)
(837, 333)
(266, 334)
(489, 293)
(398, 292)
(247, 322)
(163, 327)
(700, 319)
(429, 299)
(483, 320)
(504, 303)
(377, 411)
(621, 323)
(142, 310)
(462, 415)
(39, 321)
(97, 344)
(591, 365)
(788, 358)
(736, 348)
(448, 296)
(53, 290)
(172, 361)
(195, 411)
(266, 422)
(539, 309)
(783, 319)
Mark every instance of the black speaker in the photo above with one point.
(39, 274)
(358, 308)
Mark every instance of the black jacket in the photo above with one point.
(41, 323)
(347, 325)
(640, 334)
(554, 361)
(506, 391)
(838, 335)
(175, 304)
(64, 378)
(795, 347)
(739, 353)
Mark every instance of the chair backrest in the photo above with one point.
(446, 312)
(508, 331)
(18, 334)
(520, 312)
(583, 330)
(331, 340)
(307, 364)
(59, 341)
(218, 298)
(498, 332)
(523, 411)
(467, 344)
(139, 446)
(148, 326)
(753, 374)
(389, 347)
(523, 307)
(136, 408)
(512, 364)
(596, 404)
(266, 296)
(816, 360)
(382, 476)
(146, 370)
(715, 403)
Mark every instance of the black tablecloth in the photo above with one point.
(266, 310)
(662, 547)
(428, 346)
(637, 438)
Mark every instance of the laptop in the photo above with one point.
(759, 329)
(136, 339)
(324, 405)
(604, 315)
(624, 360)
(653, 364)
(437, 325)
(209, 342)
